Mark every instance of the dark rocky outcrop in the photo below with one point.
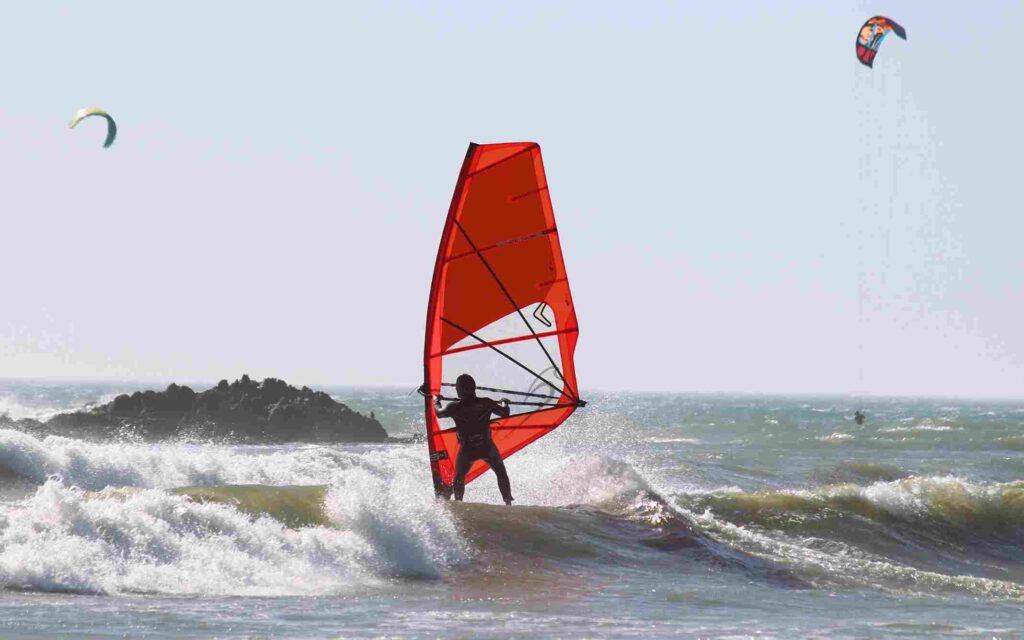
(242, 411)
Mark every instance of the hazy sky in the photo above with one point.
(743, 207)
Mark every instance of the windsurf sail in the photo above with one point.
(500, 307)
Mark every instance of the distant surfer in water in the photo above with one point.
(859, 417)
(472, 415)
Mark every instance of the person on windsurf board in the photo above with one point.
(499, 273)
(472, 416)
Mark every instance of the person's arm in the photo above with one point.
(501, 408)
(443, 413)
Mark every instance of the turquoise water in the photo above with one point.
(652, 515)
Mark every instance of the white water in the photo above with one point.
(752, 526)
(385, 521)
(164, 465)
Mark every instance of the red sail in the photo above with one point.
(500, 308)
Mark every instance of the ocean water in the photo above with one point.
(647, 515)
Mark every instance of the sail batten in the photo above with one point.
(520, 338)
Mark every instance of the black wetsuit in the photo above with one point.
(473, 427)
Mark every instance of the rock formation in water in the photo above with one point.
(243, 411)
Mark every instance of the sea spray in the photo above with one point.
(976, 509)
(565, 480)
(832, 565)
(20, 402)
(93, 466)
(947, 533)
(61, 539)
(151, 541)
(646, 515)
(397, 516)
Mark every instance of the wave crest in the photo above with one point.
(93, 466)
(149, 541)
(950, 502)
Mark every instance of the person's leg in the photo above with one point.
(498, 466)
(463, 461)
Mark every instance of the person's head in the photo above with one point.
(465, 386)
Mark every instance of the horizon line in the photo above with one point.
(707, 392)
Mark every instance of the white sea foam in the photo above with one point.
(403, 529)
(950, 499)
(384, 522)
(17, 410)
(836, 437)
(539, 477)
(583, 479)
(384, 519)
(94, 466)
(674, 440)
(842, 563)
(63, 539)
(920, 428)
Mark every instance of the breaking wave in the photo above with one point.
(64, 539)
(159, 518)
(93, 466)
(916, 534)
(951, 504)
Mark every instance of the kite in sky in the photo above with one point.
(82, 114)
(871, 36)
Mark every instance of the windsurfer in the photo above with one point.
(472, 415)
